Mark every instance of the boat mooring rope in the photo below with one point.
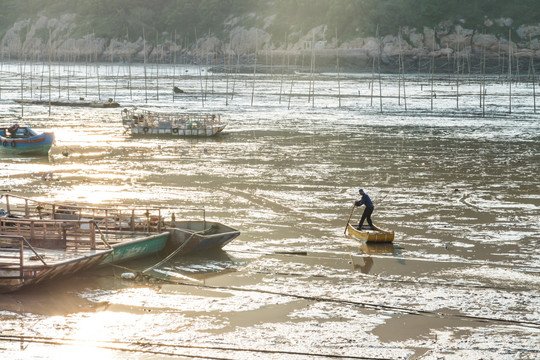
(374, 306)
(107, 345)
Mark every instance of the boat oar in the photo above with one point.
(350, 216)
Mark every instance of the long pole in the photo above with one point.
(533, 84)
(145, 79)
(174, 65)
(402, 65)
(337, 65)
(350, 216)
(157, 66)
(282, 68)
(50, 72)
(255, 66)
(379, 69)
(22, 77)
(432, 68)
(457, 74)
(509, 71)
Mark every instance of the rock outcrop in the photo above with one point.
(54, 37)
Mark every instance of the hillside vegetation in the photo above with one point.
(192, 18)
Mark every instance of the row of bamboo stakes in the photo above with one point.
(458, 71)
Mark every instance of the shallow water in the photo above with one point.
(460, 190)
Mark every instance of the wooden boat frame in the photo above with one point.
(23, 265)
(125, 234)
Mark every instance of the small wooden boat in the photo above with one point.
(370, 234)
(196, 236)
(25, 141)
(92, 104)
(147, 123)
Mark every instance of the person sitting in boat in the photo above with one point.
(13, 130)
(365, 200)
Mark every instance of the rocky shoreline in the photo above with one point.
(449, 47)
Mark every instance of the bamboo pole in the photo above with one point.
(403, 72)
(432, 69)
(174, 65)
(338, 71)
(50, 49)
(97, 67)
(206, 74)
(200, 71)
(254, 67)
(372, 83)
(157, 65)
(227, 71)
(457, 75)
(235, 75)
(292, 82)
(509, 71)
(379, 69)
(399, 68)
(282, 68)
(534, 84)
(144, 61)
(130, 84)
(533, 77)
(22, 76)
(483, 83)
(313, 71)
(59, 76)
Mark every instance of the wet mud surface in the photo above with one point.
(460, 191)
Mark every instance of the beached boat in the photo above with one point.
(370, 234)
(25, 141)
(34, 251)
(149, 123)
(119, 234)
(197, 236)
(81, 103)
(70, 239)
(137, 247)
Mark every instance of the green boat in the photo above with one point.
(138, 247)
(117, 234)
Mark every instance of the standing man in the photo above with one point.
(365, 200)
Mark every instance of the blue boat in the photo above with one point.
(25, 141)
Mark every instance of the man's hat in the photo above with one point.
(360, 190)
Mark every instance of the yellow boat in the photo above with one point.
(370, 234)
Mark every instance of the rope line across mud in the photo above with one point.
(404, 310)
(108, 345)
